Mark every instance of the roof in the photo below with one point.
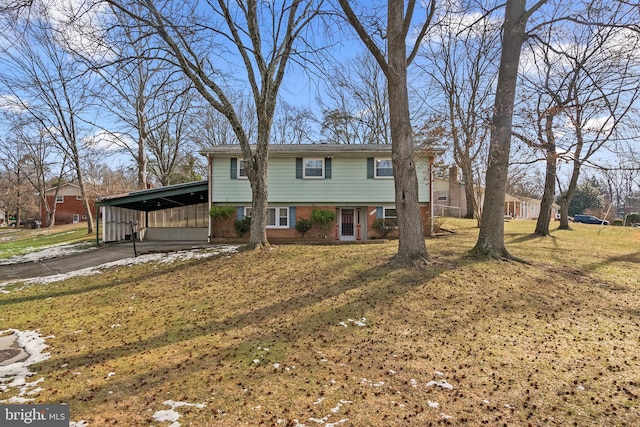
(67, 184)
(326, 150)
(172, 196)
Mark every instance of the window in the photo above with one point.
(276, 217)
(442, 196)
(392, 215)
(242, 174)
(59, 199)
(78, 197)
(384, 168)
(313, 168)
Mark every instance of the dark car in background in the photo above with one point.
(589, 219)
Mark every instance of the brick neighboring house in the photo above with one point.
(69, 206)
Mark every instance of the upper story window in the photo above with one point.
(59, 199)
(384, 168)
(313, 168)
(442, 196)
(242, 173)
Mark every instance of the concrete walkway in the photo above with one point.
(10, 351)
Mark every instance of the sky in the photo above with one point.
(304, 81)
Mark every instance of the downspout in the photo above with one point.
(209, 194)
(431, 163)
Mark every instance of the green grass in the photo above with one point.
(21, 241)
(260, 336)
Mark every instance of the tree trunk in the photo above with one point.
(412, 249)
(491, 236)
(83, 191)
(469, 190)
(259, 193)
(544, 218)
(568, 196)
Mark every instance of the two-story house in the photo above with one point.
(356, 181)
(68, 204)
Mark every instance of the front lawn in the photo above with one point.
(329, 335)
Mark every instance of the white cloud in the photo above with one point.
(108, 141)
(78, 24)
(11, 103)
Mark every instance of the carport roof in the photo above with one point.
(172, 196)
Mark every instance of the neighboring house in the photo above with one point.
(68, 203)
(354, 181)
(450, 200)
(3, 217)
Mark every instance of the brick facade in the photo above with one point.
(69, 208)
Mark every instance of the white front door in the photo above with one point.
(347, 224)
(76, 218)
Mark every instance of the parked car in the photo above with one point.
(30, 223)
(589, 219)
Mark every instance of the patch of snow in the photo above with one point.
(324, 419)
(438, 373)
(445, 416)
(171, 415)
(15, 375)
(441, 383)
(432, 404)
(53, 251)
(81, 423)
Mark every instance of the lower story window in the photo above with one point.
(392, 215)
(276, 217)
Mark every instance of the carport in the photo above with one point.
(175, 212)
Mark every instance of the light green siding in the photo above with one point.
(348, 184)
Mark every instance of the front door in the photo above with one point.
(347, 224)
(76, 218)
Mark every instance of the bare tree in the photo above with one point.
(616, 14)
(460, 62)
(39, 161)
(491, 236)
(586, 84)
(356, 109)
(212, 128)
(42, 80)
(168, 137)
(292, 125)
(261, 37)
(411, 248)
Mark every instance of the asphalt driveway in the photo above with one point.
(90, 258)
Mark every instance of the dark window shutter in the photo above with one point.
(292, 217)
(298, 167)
(234, 168)
(370, 168)
(327, 168)
(239, 212)
(379, 212)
